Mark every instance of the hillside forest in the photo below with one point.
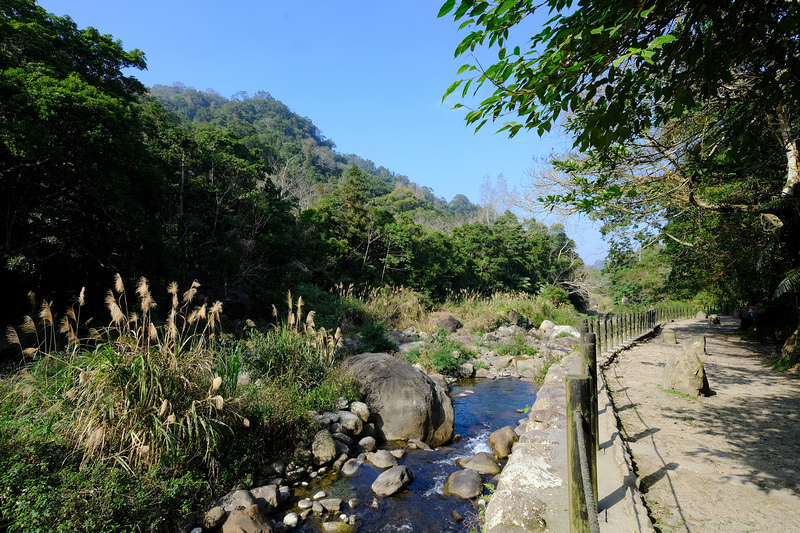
(101, 175)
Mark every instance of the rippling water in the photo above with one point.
(423, 508)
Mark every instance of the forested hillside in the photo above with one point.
(100, 175)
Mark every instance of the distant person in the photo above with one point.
(748, 320)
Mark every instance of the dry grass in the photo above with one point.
(133, 391)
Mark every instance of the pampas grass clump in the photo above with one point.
(135, 391)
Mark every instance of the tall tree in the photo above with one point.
(78, 188)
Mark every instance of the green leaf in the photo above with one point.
(660, 41)
(450, 89)
(505, 6)
(446, 8)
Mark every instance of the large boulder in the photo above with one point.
(393, 481)
(685, 373)
(406, 404)
(668, 336)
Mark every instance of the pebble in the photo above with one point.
(319, 495)
(304, 504)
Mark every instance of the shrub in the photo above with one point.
(517, 345)
(373, 335)
(444, 356)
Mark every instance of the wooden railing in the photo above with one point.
(602, 333)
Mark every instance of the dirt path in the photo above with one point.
(729, 462)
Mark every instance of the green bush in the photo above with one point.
(373, 335)
(444, 355)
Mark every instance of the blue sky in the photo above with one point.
(369, 74)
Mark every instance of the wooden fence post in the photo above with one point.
(589, 362)
(577, 389)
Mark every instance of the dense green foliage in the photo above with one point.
(685, 116)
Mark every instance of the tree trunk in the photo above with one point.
(792, 160)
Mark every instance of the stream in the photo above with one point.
(481, 407)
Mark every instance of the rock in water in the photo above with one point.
(406, 404)
(685, 373)
(482, 462)
(382, 459)
(392, 481)
(466, 484)
(502, 440)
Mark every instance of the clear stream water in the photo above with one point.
(492, 405)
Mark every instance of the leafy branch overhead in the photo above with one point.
(683, 115)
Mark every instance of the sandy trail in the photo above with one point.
(729, 462)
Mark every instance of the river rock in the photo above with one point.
(236, 498)
(338, 527)
(324, 448)
(546, 325)
(304, 504)
(343, 438)
(483, 373)
(361, 410)
(326, 419)
(684, 372)
(382, 459)
(393, 481)
(291, 520)
(466, 370)
(266, 497)
(449, 323)
(406, 404)
(555, 331)
(502, 440)
(367, 444)
(351, 466)
(482, 462)
(530, 366)
(246, 519)
(351, 422)
(214, 517)
(466, 484)
(332, 505)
